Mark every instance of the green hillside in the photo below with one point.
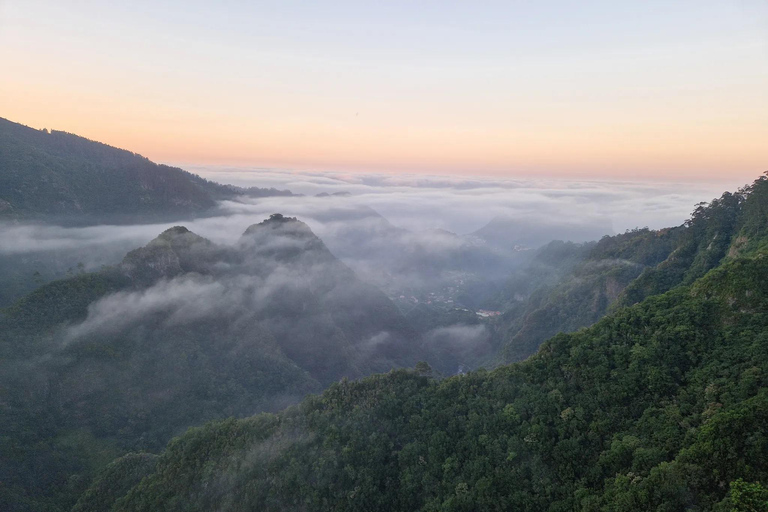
(59, 175)
(181, 332)
(659, 406)
(571, 286)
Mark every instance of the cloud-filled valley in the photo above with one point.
(127, 334)
(414, 203)
(396, 231)
(384, 256)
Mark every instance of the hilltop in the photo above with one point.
(61, 177)
(182, 331)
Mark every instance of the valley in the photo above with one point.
(367, 366)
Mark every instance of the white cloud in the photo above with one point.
(412, 202)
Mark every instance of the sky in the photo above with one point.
(599, 89)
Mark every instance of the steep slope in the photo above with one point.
(625, 269)
(659, 406)
(570, 286)
(56, 174)
(705, 240)
(181, 332)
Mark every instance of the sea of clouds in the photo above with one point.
(414, 202)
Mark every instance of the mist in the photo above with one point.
(163, 326)
(463, 205)
(399, 232)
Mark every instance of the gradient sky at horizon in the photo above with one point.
(611, 89)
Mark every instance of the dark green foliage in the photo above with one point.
(115, 481)
(60, 301)
(642, 246)
(748, 497)
(625, 269)
(754, 231)
(660, 406)
(57, 174)
(163, 353)
(701, 244)
(571, 286)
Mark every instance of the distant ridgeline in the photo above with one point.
(65, 178)
(661, 405)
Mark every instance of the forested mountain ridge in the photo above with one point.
(182, 331)
(59, 175)
(571, 286)
(661, 405)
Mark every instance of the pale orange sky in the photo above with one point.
(612, 89)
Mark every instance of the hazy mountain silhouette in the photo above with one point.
(61, 177)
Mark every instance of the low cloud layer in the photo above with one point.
(463, 205)
(183, 299)
(462, 343)
(415, 203)
(415, 213)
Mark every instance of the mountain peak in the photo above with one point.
(175, 251)
(173, 232)
(178, 238)
(281, 225)
(284, 239)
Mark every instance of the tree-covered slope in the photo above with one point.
(659, 406)
(181, 332)
(568, 287)
(57, 174)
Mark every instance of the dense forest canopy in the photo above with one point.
(659, 406)
(637, 376)
(180, 332)
(60, 177)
